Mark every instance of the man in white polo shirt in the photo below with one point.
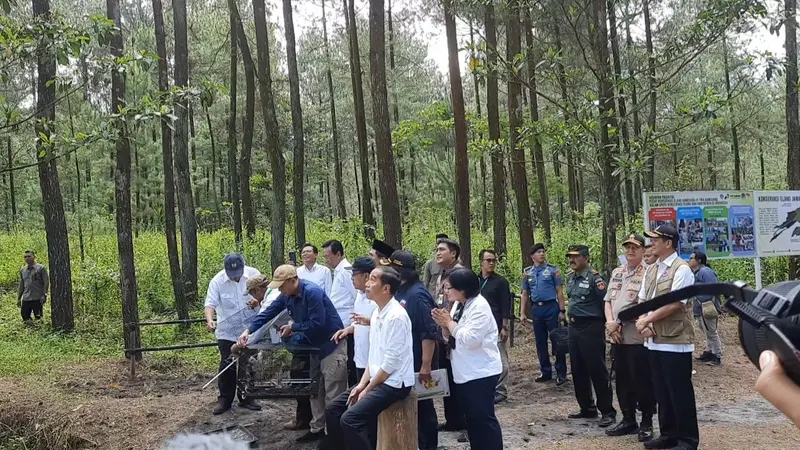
(227, 298)
(313, 272)
(361, 269)
(352, 417)
(343, 297)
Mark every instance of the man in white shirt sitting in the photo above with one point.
(389, 375)
(227, 297)
(313, 272)
(343, 297)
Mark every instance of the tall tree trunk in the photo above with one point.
(122, 193)
(355, 176)
(651, 78)
(572, 180)
(298, 160)
(712, 173)
(193, 167)
(249, 123)
(538, 154)
(11, 187)
(55, 223)
(628, 176)
(462, 211)
(637, 126)
(183, 179)
(516, 150)
(737, 170)
(233, 172)
(401, 163)
(392, 223)
(367, 215)
(792, 122)
(493, 118)
(337, 169)
(277, 163)
(181, 306)
(482, 160)
(608, 120)
(213, 178)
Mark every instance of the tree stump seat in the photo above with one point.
(397, 425)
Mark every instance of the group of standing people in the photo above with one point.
(376, 324)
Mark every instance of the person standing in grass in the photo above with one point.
(33, 286)
(706, 309)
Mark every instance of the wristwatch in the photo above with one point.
(618, 322)
(563, 311)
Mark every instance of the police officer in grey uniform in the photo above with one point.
(587, 345)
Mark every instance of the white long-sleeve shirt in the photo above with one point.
(229, 300)
(391, 346)
(476, 354)
(684, 277)
(363, 306)
(319, 275)
(343, 293)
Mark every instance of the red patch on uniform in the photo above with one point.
(600, 284)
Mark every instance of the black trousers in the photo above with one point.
(29, 307)
(427, 425)
(587, 356)
(453, 414)
(352, 373)
(303, 410)
(634, 382)
(477, 398)
(356, 427)
(677, 411)
(227, 381)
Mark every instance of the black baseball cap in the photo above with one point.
(402, 259)
(578, 250)
(635, 239)
(382, 247)
(362, 265)
(663, 231)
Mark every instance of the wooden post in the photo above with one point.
(397, 425)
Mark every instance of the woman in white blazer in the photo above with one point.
(472, 334)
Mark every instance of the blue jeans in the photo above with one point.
(545, 320)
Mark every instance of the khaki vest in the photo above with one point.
(677, 328)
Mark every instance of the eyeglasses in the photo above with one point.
(490, 260)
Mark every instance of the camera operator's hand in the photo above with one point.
(775, 386)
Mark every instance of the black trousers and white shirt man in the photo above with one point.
(352, 417)
(227, 298)
(669, 333)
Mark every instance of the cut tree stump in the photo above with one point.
(397, 425)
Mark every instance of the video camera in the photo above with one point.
(769, 319)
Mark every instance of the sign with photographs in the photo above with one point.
(729, 224)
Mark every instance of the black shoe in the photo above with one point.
(590, 414)
(448, 427)
(498, 398)
(607, 420)
(543, 379)
(252, 405)
(680, 447)
(310, 437)
(705, 356)
(645, 434)
(662, 443)
(623, 428)
(463, 438)
(222, 406)
(714, 361)
(560, 381)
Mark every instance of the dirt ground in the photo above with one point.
(106, 410)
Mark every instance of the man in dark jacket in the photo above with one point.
(706, 309)
(316, 318)
(417, 301)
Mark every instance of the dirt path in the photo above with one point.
(105, 408)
